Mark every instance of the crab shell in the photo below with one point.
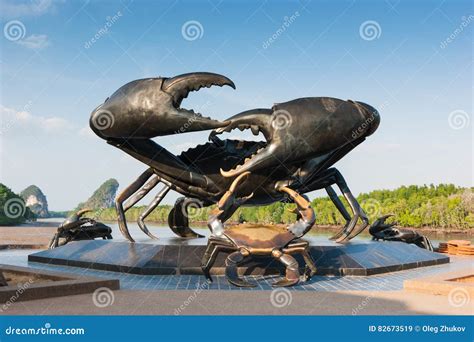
(259, 239)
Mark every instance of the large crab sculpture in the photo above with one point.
(304, 138)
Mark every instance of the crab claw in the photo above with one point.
(180, 86)
(229, 197)
(227, 206)
(300, 130)
(151, 107)
(306, 214)
(231, 270)
(380, 224)
(76, 219)
(292, 274)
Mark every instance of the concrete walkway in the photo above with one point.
(277, 302)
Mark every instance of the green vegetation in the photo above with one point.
(442, 206)
(103, 197)
(58, 213)
(12, 208)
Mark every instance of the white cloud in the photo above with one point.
(53, 124)
(31, 8)
(15, 121)
(35, 41)
(86, 132)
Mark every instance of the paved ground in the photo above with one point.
(191, 295)
(277, 302)
(38, 233)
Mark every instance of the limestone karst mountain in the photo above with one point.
(35, 200)
(103, 197)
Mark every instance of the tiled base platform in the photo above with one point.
(183, 257)
(391, 281)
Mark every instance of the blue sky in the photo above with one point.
(394, 55)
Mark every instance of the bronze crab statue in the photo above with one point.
(279, 242)
(380, 230)
(77, 228)
(304, 138)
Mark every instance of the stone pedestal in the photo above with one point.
(176, 256)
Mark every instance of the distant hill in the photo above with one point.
(103, 197)
(35, 200)
(12, 208)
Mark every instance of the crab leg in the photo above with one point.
(214, 247)
(292, 274)
(178, 219)
(427, 244)
(142, 192)
(226, 206)
(54, 241)
(3, 281)
(337, 203)
(125, 194)
(231, 270)
(141, 220)
(333, 176)
(349, 231)
(307, 216)
(309, 263)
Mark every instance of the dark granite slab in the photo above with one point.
(175, 256)
(46, 284)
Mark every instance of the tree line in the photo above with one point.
(440, 206)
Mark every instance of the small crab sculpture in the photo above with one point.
(76, 228)
(245, 242)
(380, 230)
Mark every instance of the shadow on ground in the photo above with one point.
(277, 302)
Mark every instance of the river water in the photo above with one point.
(163, 231)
